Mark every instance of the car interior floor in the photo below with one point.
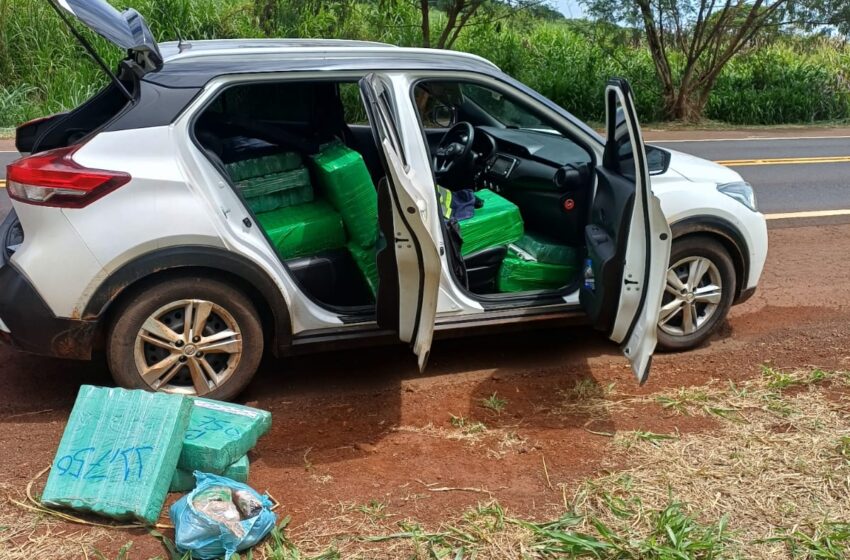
(309, 178)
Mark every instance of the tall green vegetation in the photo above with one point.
(785, 80)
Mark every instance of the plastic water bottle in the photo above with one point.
(589, 280)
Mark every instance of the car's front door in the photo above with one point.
(409, 263)
(628, 239)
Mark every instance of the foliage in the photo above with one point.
(788, 79)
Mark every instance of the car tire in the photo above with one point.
(691, 316)
(11, 234)
(148, 346)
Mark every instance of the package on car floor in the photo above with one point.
(262, 166)
(345, 181)
(303, 230)
(118, 453)
(278, 190)
(184, 480)
(496, 222)
(537, 247)
(519, 275)
(219, 434)
(366, 261)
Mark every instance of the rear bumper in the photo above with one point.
(31, 326)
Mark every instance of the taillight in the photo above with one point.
(52, 178)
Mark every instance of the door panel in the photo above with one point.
(628, 239)
(408, 260)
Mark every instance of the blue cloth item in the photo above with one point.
(207, 538)
(463, 204)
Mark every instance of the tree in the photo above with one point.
(460, 13)
(704, 35)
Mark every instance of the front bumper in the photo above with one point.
(31, 326)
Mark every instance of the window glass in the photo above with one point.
(498, 106)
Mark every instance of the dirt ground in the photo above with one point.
(359, 426)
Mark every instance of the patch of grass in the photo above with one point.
(684, 400)
(467, 427)
(123, 552)
(587, 388)
(844, 447)
(375, 510)
(628, 439)
(279, 547)
(495, 403)
(828, 541)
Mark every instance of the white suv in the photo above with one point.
(221, 198)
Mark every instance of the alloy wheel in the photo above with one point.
(692, 295)
(188, 347)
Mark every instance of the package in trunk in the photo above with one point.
(118, 453)
(219, 434)
(344, 181)
(496, 222)
(184, 480)
(537, 247)
(303, 230)
(262, 166)
(366, 261)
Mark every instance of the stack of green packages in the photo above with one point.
(346, 183)
(303, 230)
(272, 182)
(497, 222)
(534, 262)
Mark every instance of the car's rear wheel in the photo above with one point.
(190, 336)
(699, 292)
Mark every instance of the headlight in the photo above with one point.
(742, 192)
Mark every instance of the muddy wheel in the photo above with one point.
(190, 336)
(699, 292)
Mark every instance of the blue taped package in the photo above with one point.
(220, 517)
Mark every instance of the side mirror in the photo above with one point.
(442, 116)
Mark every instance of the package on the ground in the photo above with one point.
(278, 190)
(219, 434)
(537, 247)
(344, 180)
(262, 166)
(118, 453)
(184, 480)
(303, 230)
(519, 275)
(496, 222)
(366, 261)
(220, 517)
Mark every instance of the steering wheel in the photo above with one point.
(454, 147)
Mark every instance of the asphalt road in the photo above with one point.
(806, 176)
(801, 183)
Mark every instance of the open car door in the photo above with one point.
(408, 263)
(628, 238)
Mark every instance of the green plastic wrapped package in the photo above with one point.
(262, 166)
(184, 480)
(279, 190)
(303, 230)
(366, 261)
(497, 222)
(219, 434)
(537, 247)
(518, 275)
(345, 181)
(118, 453)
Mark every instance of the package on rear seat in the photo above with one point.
(262, 166)
(496, 222)
(345, 181)
(366, 261)
(278, 190)
(519, 275)
(303, 230)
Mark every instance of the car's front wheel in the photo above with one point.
(699, 292)
(191, 336)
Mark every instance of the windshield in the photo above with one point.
(502, 109)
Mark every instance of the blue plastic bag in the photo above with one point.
(207, 537)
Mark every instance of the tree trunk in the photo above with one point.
(426, 23)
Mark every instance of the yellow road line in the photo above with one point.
(783, 161)
(810, 214)
(2, 183)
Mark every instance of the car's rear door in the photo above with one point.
(409, 263)
(628, 239)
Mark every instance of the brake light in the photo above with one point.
(53, 178)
